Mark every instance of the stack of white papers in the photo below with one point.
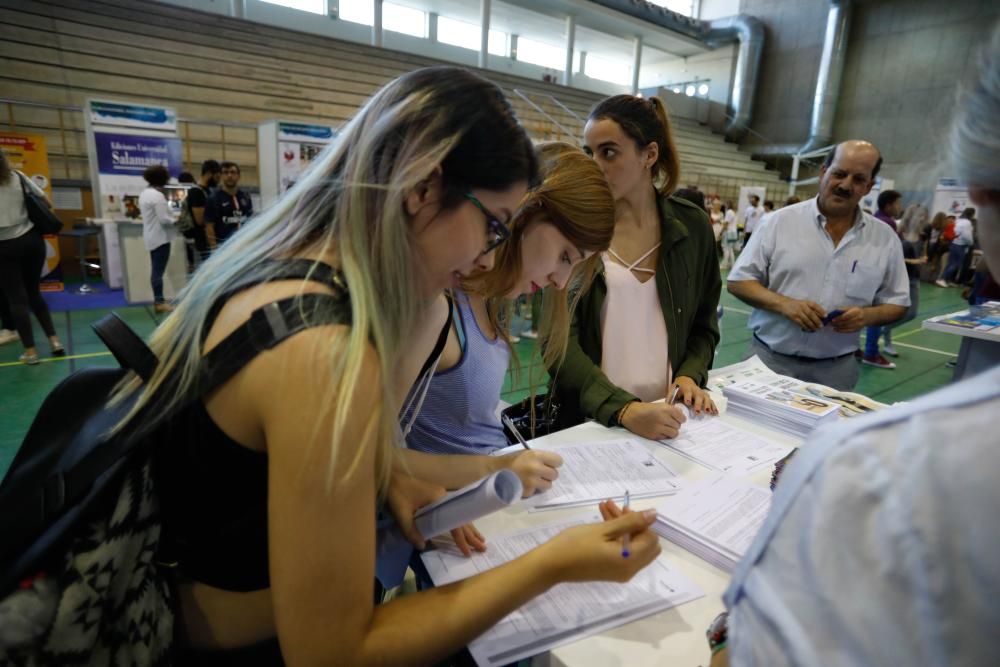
(595, 471)
(567, 612)
(716, 518)
(781, 403)
(718, 445)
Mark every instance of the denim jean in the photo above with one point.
(158, 258)
(956, 255)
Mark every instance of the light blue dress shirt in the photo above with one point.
(882, 546)
(792, 254)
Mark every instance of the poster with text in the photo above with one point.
(950, 196)
(299, 144)
(121, 159)
(27, 154)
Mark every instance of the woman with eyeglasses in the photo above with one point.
(647, 328)
(269, 483)
(555, 231)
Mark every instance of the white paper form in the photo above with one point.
(567, 612)
(719, 445)
(595, 471)
(717, 516)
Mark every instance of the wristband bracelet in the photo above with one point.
(718, 632)
(621, 413)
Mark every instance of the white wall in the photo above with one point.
(717, 66)
(714, 9)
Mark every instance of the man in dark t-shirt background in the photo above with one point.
(228, 206)
(197, 200)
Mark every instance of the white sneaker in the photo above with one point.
(531, 335)
(940, 283)
(515, 339)
(890, 350)
(7, 336)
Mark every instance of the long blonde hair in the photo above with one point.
(351, 204)
(576, 198)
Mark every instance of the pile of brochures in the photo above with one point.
(716, 518)
(780, 403)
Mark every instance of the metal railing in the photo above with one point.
(547, 116)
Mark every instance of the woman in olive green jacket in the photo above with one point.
(630, 346)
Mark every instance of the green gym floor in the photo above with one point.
(920, 366)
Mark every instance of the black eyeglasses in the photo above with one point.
(496, 231)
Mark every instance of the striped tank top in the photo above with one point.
(458, 414)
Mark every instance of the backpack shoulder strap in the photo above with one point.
(268, 326)
(292, 269)
(128, 348)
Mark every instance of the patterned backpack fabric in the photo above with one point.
(79, 582)
(80, 578)
(108, 601)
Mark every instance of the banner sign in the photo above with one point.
(301, 132)
(950, 196)
(123, 114)
(27, 154)
(121, 159)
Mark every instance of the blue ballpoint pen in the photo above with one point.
(625, 551)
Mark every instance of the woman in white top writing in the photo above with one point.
(648, 325)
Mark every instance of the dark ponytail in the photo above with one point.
(645, 120)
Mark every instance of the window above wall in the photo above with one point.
(685, 7)
(314, 6)
(466, 35)
(541, 53)
(606, 69)
(397, 18)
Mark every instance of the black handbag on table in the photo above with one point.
(41, 216)
(546, 413)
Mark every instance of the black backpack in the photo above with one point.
(80, 580)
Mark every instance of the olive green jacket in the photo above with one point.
(688, 283)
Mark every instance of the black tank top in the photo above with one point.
(212, 489)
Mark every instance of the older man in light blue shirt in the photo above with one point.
(819, 271)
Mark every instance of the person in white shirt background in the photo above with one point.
(751, 216)
(157, 230)
(880, 548)
(960, 246)
(820, 271)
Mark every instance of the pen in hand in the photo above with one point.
(513, 429)
(625, 551)
(673, 395)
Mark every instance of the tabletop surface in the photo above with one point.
(674, 637)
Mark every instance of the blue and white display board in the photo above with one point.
(123, 139)
(285, 150)
(950, 196)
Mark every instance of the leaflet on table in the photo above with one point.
(718, 445)
(752, 368)
(485, 496)
(567, 612)
(715, 518)
(595, 471)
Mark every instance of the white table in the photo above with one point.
(672, 637)
(980, 348)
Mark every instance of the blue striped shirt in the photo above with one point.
(458, 415)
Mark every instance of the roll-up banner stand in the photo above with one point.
(285, 150)
(27, 154)
(951, 196)
(123, 139)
